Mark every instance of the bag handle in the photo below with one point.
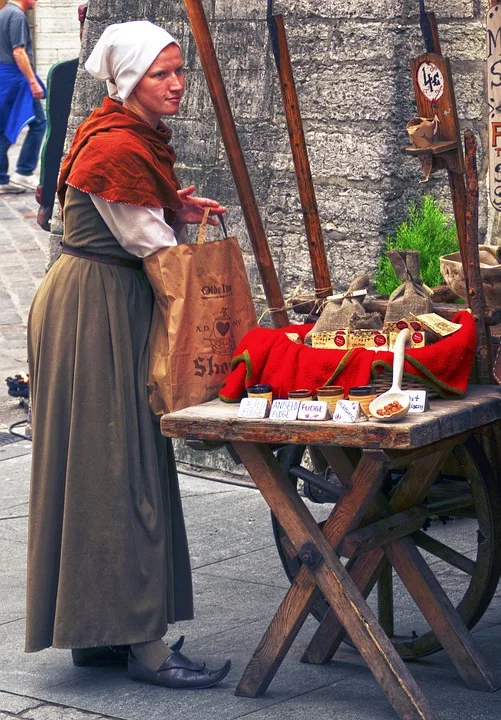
(221, 222)
(202, 233)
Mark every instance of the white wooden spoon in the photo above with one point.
(394, 394)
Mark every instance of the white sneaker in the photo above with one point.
(29, 182)
(10, 189)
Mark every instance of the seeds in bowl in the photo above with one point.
(389, 409)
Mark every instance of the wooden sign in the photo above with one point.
(314, 410)
(493, 53)
(256, 408)
(435, 100)
(430, 81)
(284, 410)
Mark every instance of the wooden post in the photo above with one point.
(290, 100)
(444, 108)
(476, 299)
(429, 21)
(205, 47)
(458, 195)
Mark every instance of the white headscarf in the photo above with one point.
(123, 54)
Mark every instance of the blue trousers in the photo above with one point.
(28, 157)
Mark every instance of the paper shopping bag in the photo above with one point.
(203, 308)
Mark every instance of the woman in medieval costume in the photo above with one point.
(108, 564)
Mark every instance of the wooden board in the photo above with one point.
(219, 421)
(432, 78)
(493, 52)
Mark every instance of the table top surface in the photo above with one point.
(217, 420)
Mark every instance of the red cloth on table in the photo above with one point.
(269, 356)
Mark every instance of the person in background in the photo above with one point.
(20, 95)
(60, 84)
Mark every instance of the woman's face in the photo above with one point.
(160, 90)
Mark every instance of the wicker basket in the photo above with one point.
(383, 383)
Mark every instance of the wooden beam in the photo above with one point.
(319, 266)
(476, 297)
(384, 531)
(217, 90)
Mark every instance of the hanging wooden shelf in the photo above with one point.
(437, 148)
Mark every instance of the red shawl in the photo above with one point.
(120, 158)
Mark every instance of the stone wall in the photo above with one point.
(351, 65)
(56, 33)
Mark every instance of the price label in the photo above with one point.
(284, 410)
(338, 339)
(347, 411)
(318, 410)
(430, 81)
(438, 324)
(257, 408)
(419, 401)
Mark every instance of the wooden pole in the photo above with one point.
(458, 195)
(476, 297)
(434, 32)
(320, 268)
(205, 47)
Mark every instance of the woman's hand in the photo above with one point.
(193, 207)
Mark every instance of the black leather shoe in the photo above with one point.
(109, 654)
(177, 671)
(178, 644)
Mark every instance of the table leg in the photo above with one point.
(441, 615)
(303, 592)
(335, 583)
(429, 597)
(385, 599)
(365, 570)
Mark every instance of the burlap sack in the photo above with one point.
(421, 131)
(337, 314)
(412, 297)
(203, 308)
(369, 321)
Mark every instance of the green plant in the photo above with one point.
(428, 230)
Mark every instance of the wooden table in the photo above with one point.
(421, 444)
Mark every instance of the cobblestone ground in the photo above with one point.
(22, 267)
(17, 706)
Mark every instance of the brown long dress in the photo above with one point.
(108, 559)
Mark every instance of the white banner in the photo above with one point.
(494, 100)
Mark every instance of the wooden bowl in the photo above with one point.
(380, 402)
(490, 271)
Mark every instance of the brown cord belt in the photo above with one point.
(106, 259)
